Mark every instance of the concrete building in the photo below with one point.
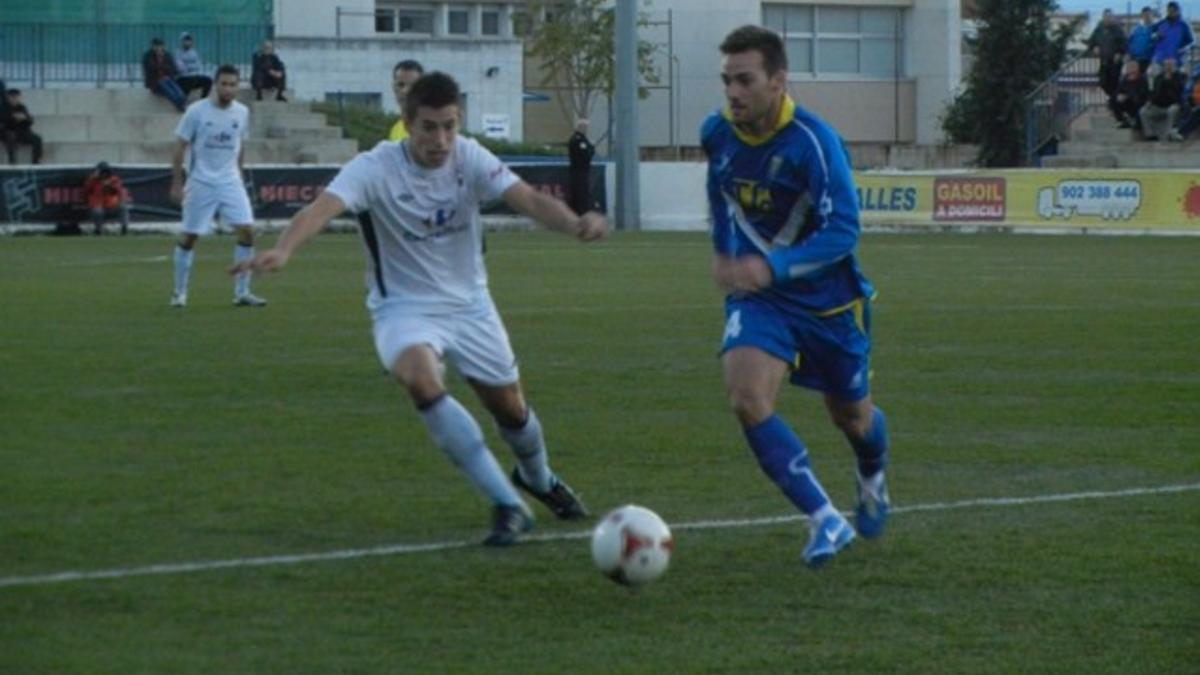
(882, 70)
(349, 47)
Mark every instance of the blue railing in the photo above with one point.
(1050, 109)
(39, 55)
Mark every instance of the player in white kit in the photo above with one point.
(213, 132)
(417, 203)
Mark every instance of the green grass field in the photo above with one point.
(133, 435)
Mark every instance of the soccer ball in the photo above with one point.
(632, 545)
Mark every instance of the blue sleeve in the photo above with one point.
(722, 233)
(834, 206)
(1188, 40)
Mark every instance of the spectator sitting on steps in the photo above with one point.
(1166, 93)
(158, 74)
(17, 128)
(191, 68)
(106, 198)
(1132, 94)
(268, 72)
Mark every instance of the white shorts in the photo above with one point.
(474, 340)
(202, 203)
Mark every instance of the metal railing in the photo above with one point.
(40, 55)
(1050, 109)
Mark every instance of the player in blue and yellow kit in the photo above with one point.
(785, 226)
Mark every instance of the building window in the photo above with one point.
(491, 22)
(839, 40)
(414, 21)
(458, 22)
(385, 21)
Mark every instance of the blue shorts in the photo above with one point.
(828, 352)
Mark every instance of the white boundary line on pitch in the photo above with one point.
(407, 549)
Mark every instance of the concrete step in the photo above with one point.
(299, 133)
(307, 120)
(258, 151)
(108, 128)
(1080, 162)
(1111, 135)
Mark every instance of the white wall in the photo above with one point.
(673, 195)
(935, 58)
(317, 66)
(319, 18)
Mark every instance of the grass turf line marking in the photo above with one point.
(407, 549)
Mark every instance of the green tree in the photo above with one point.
(574, 42)
(1016, 50)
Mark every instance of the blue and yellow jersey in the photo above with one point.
(399, 131)
(787, 196)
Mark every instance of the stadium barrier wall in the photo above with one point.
(1070, 200)
(39, 198)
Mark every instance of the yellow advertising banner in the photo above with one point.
(1089, 199)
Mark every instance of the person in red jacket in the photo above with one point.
(106, 198)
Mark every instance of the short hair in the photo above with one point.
(409, 64)
(434, 90)
(756, 38)
(13, 92)
(156, 42)
(1173, 5)
(228, 69)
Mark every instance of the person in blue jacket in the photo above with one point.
(784, 229)
(1172, 37)
(1141, 40)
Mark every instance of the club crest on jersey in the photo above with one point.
(439, 218)
(752, 196)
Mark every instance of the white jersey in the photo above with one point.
(214, 137)
(421, 227)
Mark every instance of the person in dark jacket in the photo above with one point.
(1132, 94)
(268, 72)
(1166, 94)
(158, 74)
(18, 128)
(1108, 42)
(579, 172)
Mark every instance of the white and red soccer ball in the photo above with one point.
(632, 545)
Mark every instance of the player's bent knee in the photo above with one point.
(751, 408)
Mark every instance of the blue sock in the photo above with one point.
(872, 451)
(784, 459)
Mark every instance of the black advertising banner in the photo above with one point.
(55, 194)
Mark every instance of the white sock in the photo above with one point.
(183, 268)
(529, 446)
(241, 283)
(459, 436)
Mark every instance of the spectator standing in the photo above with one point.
(1166, 93)
(1132, 94)
(403, 75)
(106, 198)
(269, 72)
(158, 74)
(1108, 41)
(579, 173)
(18, 127)
(1141, 40)
(190, 68)
(1172, 37)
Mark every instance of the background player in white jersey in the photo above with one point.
(211, 134)
(417, 202)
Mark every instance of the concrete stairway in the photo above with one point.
(132, 126)
(1096, 142)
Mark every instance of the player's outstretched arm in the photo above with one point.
(306, 223)
(554, 214)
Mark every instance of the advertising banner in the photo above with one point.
(55, 194)
(1071, 198)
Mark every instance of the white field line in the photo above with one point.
(409, 549)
